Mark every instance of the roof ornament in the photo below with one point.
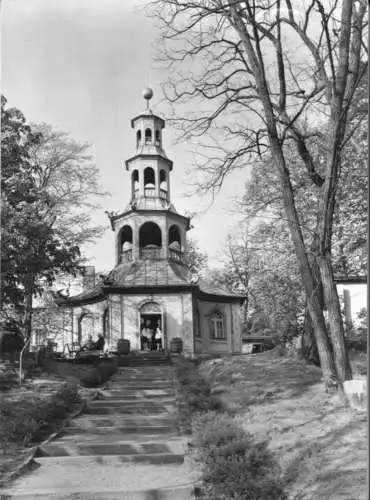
(147, 94)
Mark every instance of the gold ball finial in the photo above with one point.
(148, 93)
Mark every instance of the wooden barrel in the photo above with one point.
(176, 345)
(123, 346)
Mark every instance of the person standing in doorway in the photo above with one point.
(159, 337)
(153, 343)
(148, 334)
(143, 336)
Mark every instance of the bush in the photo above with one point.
(98, 375)
(195, 390)
(31, 421)
(233, 465)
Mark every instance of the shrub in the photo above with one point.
(98, 375)
(195, 390)
(34, 419)
(233, 465)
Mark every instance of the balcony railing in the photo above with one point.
(126, 256)
(151, 193)
(176, 255)
(163, 194)
(150, 253)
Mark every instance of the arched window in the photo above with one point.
(148, 135)
(174, 238)
(149, 177)
(150, 307)
(150, 235)
(163, 180)
(126, 238)
(135, 181)
(157, 136)
(217, 326)
(138, 137)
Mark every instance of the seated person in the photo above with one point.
(99, 346)
(90, 344)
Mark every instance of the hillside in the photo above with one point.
(320, 443)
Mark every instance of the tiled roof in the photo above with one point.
(91, 295)
(213, 289)
(145, 274)
(148, 273)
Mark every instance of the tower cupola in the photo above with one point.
(150, 228)
(149, 166)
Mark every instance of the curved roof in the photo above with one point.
(209, 288)
(145, 273)
(149, 274)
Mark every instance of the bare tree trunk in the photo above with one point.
(340, 351)
(313, 303)
(309, 347)
(27, 317)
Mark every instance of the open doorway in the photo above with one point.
(149, 322)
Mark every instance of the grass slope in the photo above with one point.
(321, 443)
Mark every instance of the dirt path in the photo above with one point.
(125, 446)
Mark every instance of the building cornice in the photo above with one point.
(114, 218)
(144, 156)
(350, 279)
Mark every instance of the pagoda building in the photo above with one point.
(150, 283)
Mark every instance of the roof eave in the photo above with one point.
(140, 155)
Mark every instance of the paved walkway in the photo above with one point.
(125, 446)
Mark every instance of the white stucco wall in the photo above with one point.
(177, 317)
(231, 313)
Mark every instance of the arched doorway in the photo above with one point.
(151, 316)
(85, 327)
(150, 241)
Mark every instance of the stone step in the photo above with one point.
(136, 452)
(180, 493)
(142, 458)
(145, 376)
(135, 394)
(149, 403)
(127, 409)
(144, 364)
(114, 437)
(140, 387)
(114, 402)
(143, 430)
(112, 473)
(113, 434)
(140, 383)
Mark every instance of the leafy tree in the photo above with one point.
(32, 252)
(66, 172)
(195, 260)
(260, 92)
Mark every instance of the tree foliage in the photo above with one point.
(36, 244)
(71, 179)
(195, 260)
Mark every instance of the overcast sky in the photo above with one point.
(80, 65)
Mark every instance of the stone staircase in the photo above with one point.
(126, 445)
(145, 358)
